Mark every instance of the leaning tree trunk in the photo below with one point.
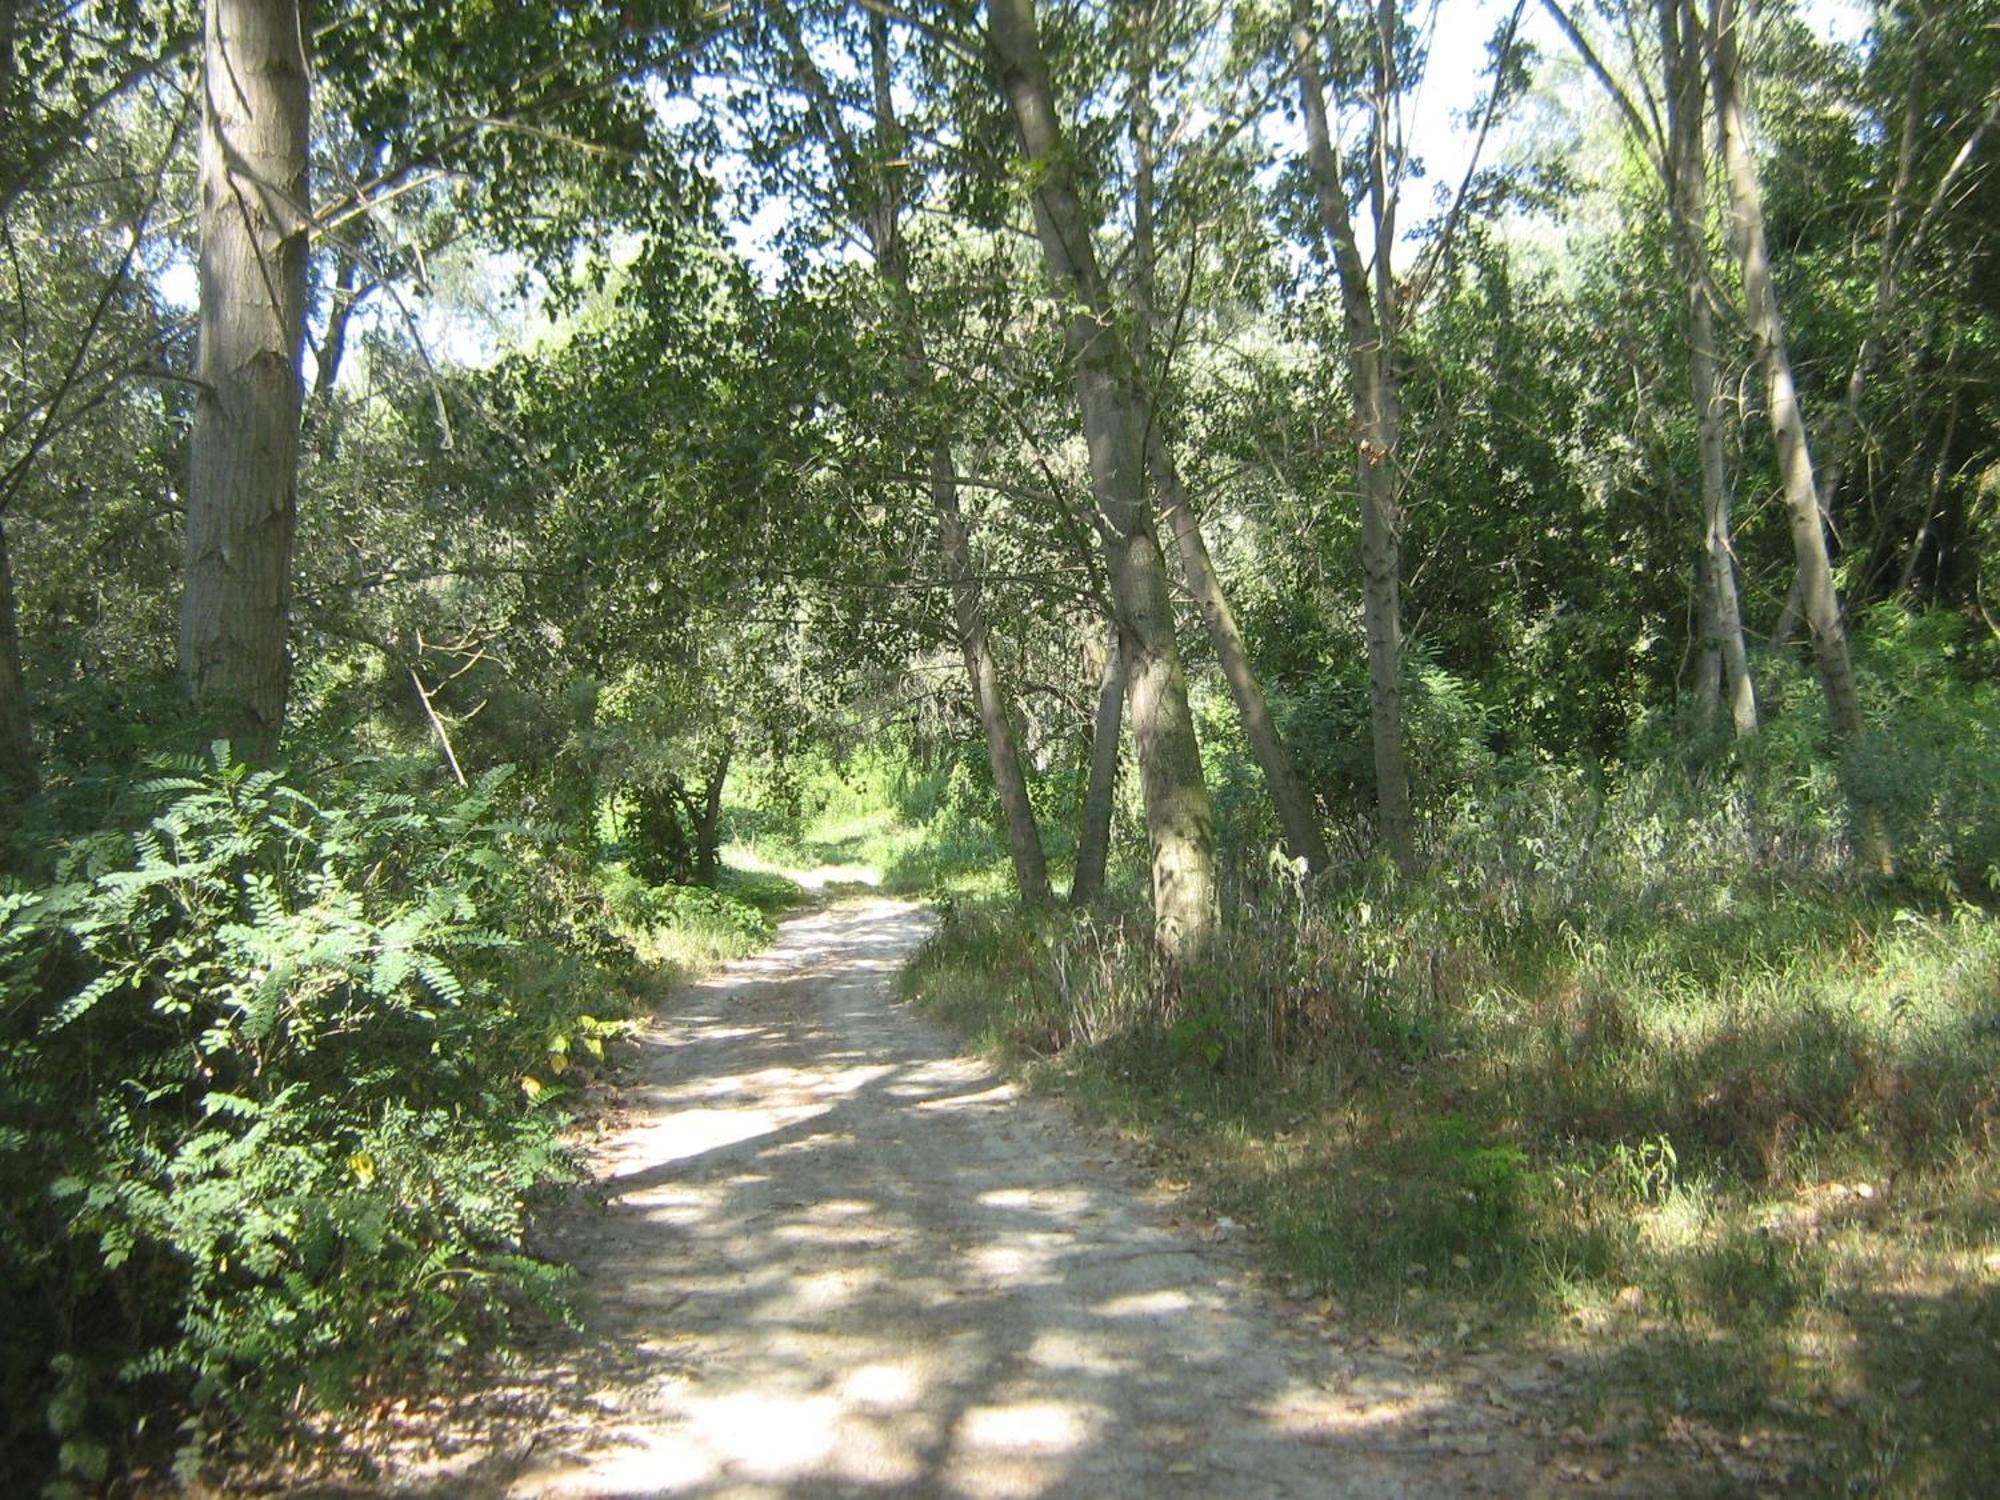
(18, 772)
(1687, 201)
(1819, 602)
(243, 447)
(878, 203)
(1179, 821)
(1093, 839)
(1024, 839)
(1297, 820)
(1378, 427)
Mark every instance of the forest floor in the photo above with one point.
(828, 1254)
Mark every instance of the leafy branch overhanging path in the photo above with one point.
(840, 1258)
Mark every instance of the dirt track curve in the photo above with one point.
(840, 1258)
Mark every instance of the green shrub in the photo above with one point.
(272, 1092)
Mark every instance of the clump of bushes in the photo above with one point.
(276, 1066)
(683, 930)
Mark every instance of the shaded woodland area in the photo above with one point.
(1419, 609)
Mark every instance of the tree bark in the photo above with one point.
(1298, 822)
(1369, 315)
(708, 816)
(1819, 602)
(341, 305)
(1179, 820)
(1093, 840)
(1686, 181)
(19, 772)
(243, 446)
(1024, 839)
(879, 204)
(1297, 819)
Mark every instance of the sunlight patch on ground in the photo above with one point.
(883, 1387)
(1000, 1093)
(840, 1208)
(695, 1132)
(847, 1080)
(1057, 1202)
(1162, 1303)
(765, 1436)
(1029, 1426)
(1062, 1350)
(1016, 1264)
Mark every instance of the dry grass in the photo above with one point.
(1726, 1132)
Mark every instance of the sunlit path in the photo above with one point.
(841, 1259)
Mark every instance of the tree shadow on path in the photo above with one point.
(839, 1258)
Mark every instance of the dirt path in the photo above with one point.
(839, 1258)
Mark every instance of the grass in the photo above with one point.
(1728, 1132)
(684, 932)
(881, 825)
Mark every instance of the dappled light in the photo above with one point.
(836, 1256)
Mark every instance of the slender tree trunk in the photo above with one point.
(708, 817)
(1093, 840)
(1024, 839)
(879, 204)
(333, 343)
(1934, 497)
(1297, 820)
(1820, 603)
(1179, 821)
(9, 24)
(1686, 174)
(1368, 314)
(1724, 607)
(19, 774)
(243, 447)
(1707, 695)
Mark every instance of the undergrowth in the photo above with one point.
(280, 1067)
(1636, 1066)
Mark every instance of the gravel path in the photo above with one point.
(840, 1258)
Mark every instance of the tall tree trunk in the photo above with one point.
(243, 447)
(1685, 169)
(1024, 840)
(1723, 624)
(19, 775)
(1819, 602)
(1093, 839)
(1297, 821)
(879, 205)
(1369, 314)
(1708, 653)
(1179, 820)
(18, 771)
